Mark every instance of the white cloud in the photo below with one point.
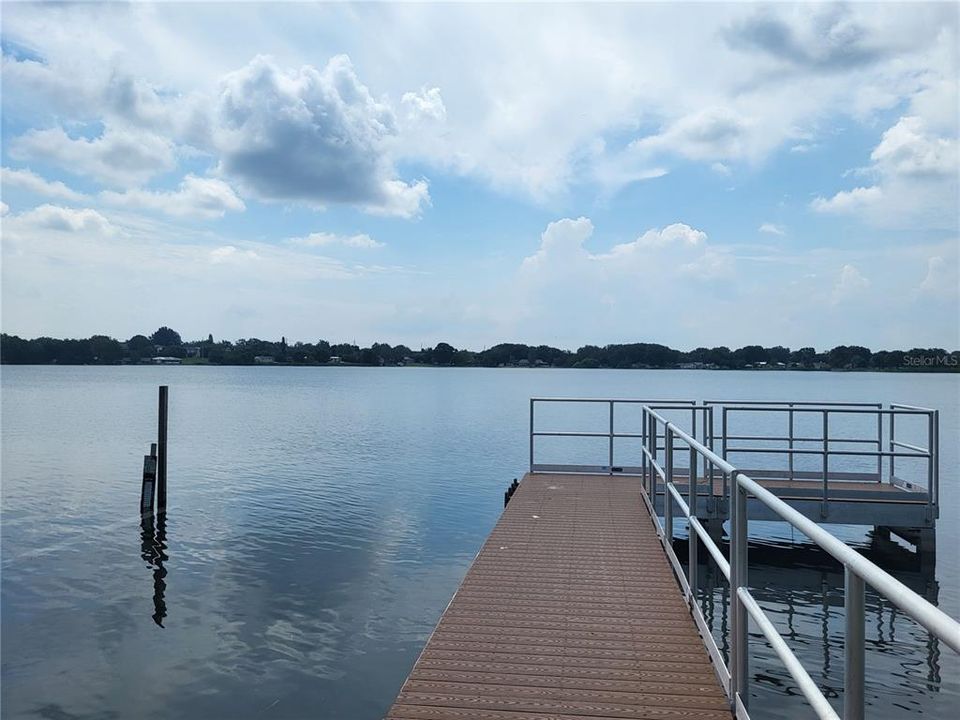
(908, 149)
(196, 197)
(847, 201)
(941, 278)
(850, 284)
(425, 104)
(4, 208)
(316, 136)
(232, 255)
(711, 134)
(62, 219)
(916, 174)
(324, 239)
(772, 229)
(117, 157)
(675, 234)
(29, 180)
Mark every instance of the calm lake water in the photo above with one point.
(321, 518)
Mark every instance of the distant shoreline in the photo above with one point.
(166, 347)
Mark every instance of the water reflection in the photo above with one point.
(801, 589)
(153, 547)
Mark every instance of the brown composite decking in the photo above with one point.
(570, 610)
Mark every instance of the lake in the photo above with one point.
(321, 518)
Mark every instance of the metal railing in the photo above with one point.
(610, 433)
(827, 447)
(858, 572)
(877, 441)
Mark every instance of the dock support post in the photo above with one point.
(739, 664)
(162, 450)
(853, 646)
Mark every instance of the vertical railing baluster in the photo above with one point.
(652, 446)
(931, 463)
(667, 498)
(739, 660)
(853, 673)
(893, 439)
(790, 454)
(643, 447)
(826, 461)
(531, 434)
(879, 442)
(610, 454)
(693, 540)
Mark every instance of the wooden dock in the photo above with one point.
(570, 610)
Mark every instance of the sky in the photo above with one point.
(688, 174)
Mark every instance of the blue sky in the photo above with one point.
(686, 174)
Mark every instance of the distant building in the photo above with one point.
(334, 360)
(264, 360)
(191, 351)
(161, 360)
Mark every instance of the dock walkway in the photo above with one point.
(570, 610)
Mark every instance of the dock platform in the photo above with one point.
(570, 610)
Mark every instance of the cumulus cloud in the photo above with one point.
(425, 104)
(29, 180)
(316, 136)
(714, 133)
(62, 219)
(674, 248)
(850, 284)
(195, 197)
(117, 157)
(916, 173)
(941, 278)
(847, 201)
(4, 208)
(325, 239)
(908, 149)
(772, 229)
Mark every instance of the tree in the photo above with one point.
(443, 354)
(166, 337)
(139, 346)
(106, 350)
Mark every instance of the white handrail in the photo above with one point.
(858, 570)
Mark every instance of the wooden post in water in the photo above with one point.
(149, 481)
(162, 451)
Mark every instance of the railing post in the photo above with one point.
(826, 462)
(643, 445)
(667, 497)
(790, 456)
(531, 434)
(880, 443)
(853, 649)
(931, 460)
(893, 439)
(936, 458)
(652, 447)
(610, 454)
(739, 660)
(693, 540)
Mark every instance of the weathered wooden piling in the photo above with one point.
(162, 450)
(149, 482)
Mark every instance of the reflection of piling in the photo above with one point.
(153, 546)
(162, 451)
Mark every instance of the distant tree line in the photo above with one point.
(165, 342)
